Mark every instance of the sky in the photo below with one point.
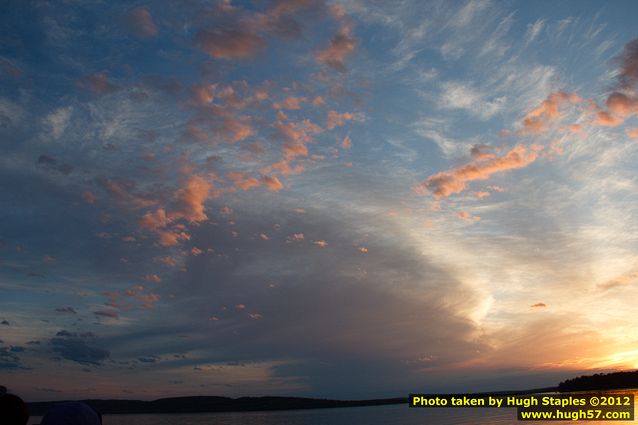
(345, 199)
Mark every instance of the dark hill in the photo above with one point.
(601, 381)
(214, 404)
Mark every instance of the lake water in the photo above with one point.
(374, 415)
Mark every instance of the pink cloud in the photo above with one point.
(321, 243)
(464, 215)
(152, 278)
(195, 252)
(318, 101)
(346, 143)
(272, 183)
(445, 183)
(340, 48)
(237, 43)
(606, 119)
(203, 94)
(336, 119)
(141, 22)
(188, 205)
(293, 103)
(243, 181)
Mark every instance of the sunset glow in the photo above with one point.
(341, 199)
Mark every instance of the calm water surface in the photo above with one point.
(374, 415)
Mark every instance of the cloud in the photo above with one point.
(89, 197)
(9, 359)
(124, 192)
(141, 23)
(66, 310)
(272, 183)
(98, 84)
(187, 205)
(321, 243)
(538, 305)
(619, 281)
(58, 120)
(112, 314)
(153, 278)
(229, 43)
(538, 119)
(445, 183)
(346, 143)
(632, 133)
(203, 94)
(628, 73)
(455, 95)
(533, 30)
(189, 202)
(292, 103)
(336, 119)
(340, 48)
(466, 216)
(78, 348)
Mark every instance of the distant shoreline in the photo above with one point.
(211, 404)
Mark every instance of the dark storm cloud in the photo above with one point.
(78, 347)
(9, 359)
(333, 313)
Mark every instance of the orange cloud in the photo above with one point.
(141, 23)
(346, 143)
(188, 205)
(445, 183)
(633, 133)
(318, 101)
(242, 181)
(481, 194)
(622, 105)
(606, 119)
(290, 103)
(321, 243)
(341, 46)
(272, 183)
(464, 215)
(537, 120)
